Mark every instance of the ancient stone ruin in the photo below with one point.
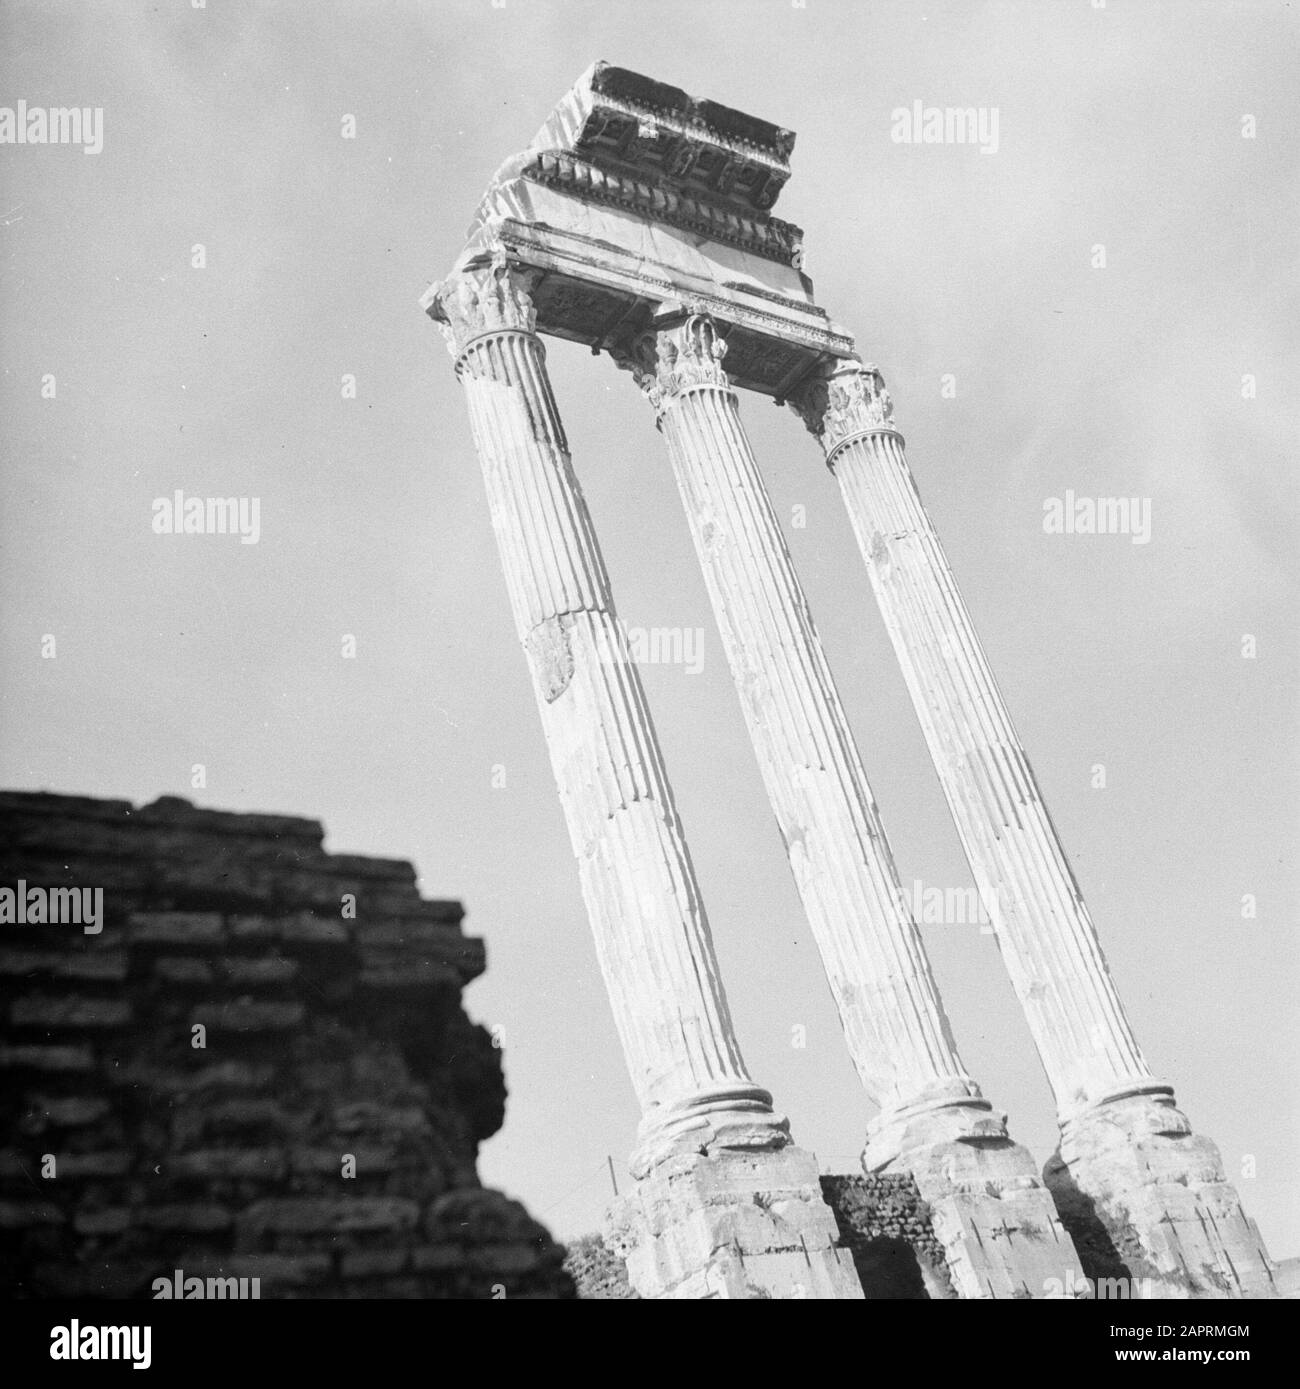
(639, 222)
(256, 1074)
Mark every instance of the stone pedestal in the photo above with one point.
(1106, 1095)
(1147, 1199)
(894, 1024)
(998, 1226)
(732, 1225)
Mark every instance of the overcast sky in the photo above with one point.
(1118, 126)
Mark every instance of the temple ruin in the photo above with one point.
(639, 222)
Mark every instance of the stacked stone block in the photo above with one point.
(259, 1067)
(883, 1222)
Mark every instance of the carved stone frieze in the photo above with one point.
(768, 237)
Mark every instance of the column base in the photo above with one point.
(748, 1224)
(735, 1116)
(994, 1219)
(1147, 1201)
(947, 1116)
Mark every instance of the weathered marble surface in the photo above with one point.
(651, 932)
(732, 1225)
(699, 1106)
(636, 207)
(1128, 1160)
(889, 1009)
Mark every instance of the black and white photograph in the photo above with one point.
(649, 651)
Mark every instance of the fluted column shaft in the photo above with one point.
(1047, 939)
(652, 936)
(894, 1024)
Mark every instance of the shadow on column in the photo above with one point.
(885, 1226)
(1098, 1255)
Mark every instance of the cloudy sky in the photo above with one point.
(1119, 125)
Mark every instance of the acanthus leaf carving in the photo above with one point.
(690, 354)
(847, 399)
(487, 298)
(675, 357)
(639, 355)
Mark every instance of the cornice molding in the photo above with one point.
(767, 237)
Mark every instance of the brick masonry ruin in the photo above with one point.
(888, 1229)
(331, 1043)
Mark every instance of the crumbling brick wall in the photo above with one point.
(259, 1067)
(886, 1226)
(599, 1273)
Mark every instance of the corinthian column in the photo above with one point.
(1126, 1150)
(651, 933)
(894, 1024)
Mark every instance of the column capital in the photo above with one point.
(491, 297)
(844, 401)
(680, 351)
